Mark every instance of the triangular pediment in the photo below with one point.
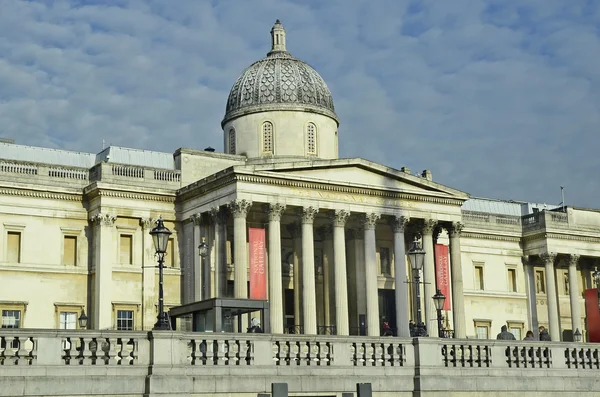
(357, 173)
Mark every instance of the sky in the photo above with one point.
(498, 98)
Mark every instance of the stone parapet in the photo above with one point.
(46, 362)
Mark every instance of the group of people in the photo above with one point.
(544, 336)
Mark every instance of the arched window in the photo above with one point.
(267, 137)
(311, 138)
(232, 141)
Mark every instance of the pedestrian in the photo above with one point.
(544, 335)
(387, 330)
(529, 336)
(504, 334)
(255, 326)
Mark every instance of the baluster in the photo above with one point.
(220, 359)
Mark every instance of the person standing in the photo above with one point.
(544, 335)
(504, 334)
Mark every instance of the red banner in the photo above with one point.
(442, 278)
(258, 275)
(592, 314)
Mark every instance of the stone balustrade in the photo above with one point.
(42, 362)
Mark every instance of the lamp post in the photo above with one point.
(83, 319)
(416, 257)
(203, 252)
(160, 236)
(577, 336)
(438, 301)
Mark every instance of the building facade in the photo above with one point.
(75, 230)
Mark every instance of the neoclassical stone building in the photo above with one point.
(75, 229)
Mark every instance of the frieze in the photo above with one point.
(496, 237)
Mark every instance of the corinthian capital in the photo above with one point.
(548, 257)
(239, 207)
(217, 214)
(196, 218)
(456, 229)
(105, 219)
(340, 217)
(147, 223)
(399, 224)
(308, 214)
(573, 260)
(429, 226)
(275, 211)
(370, 220)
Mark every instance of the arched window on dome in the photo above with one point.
(267, 137)
(311, 138)
(232, 141)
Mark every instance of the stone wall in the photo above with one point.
(90, 363)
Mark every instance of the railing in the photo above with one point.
(326, 330)
(68, 173)
(474, 216)
(18, 168)
(168, 176)
(127, 171)
(531, 219)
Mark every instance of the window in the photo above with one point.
(170, 254)
(232, 141)
(384, 260)
(482, 329)
(11, 319)
(14, 247)
(478, 270)
(267, 137)
(124, 320)
(512, 280)
(70, 250)
(68, 320)
(311, 138)
(516, 329)
(126, 248)
(540, 284)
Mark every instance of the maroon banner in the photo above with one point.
(442, 278)
(258, 275)
(592, 314)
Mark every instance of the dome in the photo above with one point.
(279, 82)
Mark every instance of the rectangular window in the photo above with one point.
(384, 259)
(512, 280)
(126, 248)
(540, 283)
(516, 329)
(11, 319)
(478, 269)
(124, 320)
(14, 247)
(68, 320)
(70, 250)
(170, 257)
(482, 329)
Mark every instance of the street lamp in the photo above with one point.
(577, 336)
(160, 236)
(203, 248)
(416, 257)
(83, 319)
(438, 301)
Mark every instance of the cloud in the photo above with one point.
(497, 98)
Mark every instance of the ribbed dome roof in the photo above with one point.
(279, 82)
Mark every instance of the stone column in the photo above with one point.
(430, 318)
(219, 256)
(341, 278)
(531, 294)
(308, 271)
(275, 287)
(295, 231)
(328, 274)
(401, 290)
(104, 257)
(199, 273)
(574, 293)
(458, 299)
(553, 322)
(148, 274)
(239, 208)
(370, 222)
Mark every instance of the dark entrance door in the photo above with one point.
(387, 308)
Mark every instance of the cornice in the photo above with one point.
(41, 194)
(496, 237)
(345, 189)
(188, 192)
(102, 192)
